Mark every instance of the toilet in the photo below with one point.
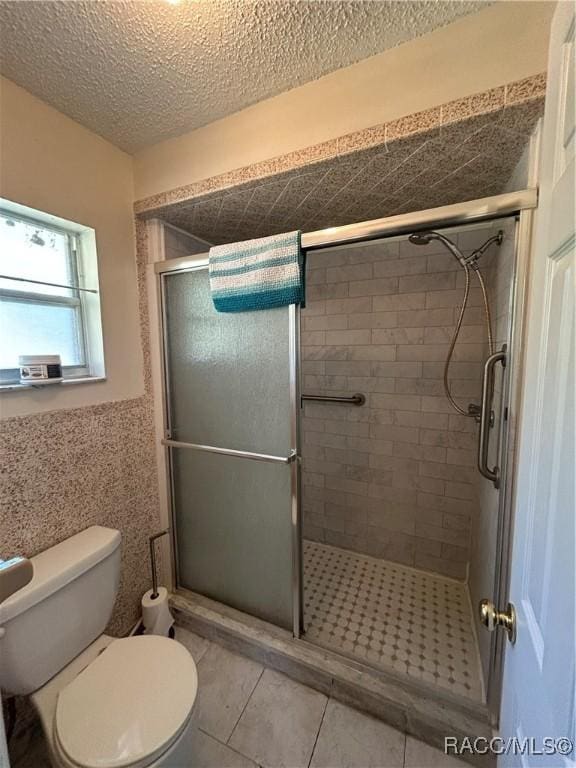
(103, 702)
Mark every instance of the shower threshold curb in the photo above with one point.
(415, 707)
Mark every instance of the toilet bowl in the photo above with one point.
(121, 704)
(103, 702)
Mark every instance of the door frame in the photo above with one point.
(520, 204)
(508, 451)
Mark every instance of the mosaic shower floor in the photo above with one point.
(392, 616)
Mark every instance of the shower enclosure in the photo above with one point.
(391, 519)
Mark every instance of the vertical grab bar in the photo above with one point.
(486, 417)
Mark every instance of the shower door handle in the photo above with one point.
(292, 456)
(486, 417)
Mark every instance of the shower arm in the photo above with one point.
(472, 260)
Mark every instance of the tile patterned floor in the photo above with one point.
(390, 615)
(249, 716)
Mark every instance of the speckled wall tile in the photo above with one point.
(419, 122)
(526, 89)
(480, 103)
(63, 471)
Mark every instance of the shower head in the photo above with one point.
(423, 238)
(420, 238)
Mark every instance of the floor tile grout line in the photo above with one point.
(204, 652)
(319, 729)
(244, 709)
(224, 744)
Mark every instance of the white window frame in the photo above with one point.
(83, 269)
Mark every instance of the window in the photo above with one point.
(45, 303)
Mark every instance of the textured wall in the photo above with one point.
(395, 478)
(63, 471)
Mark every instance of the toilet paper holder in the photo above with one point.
(152, 541)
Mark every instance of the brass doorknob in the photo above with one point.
(491, 618)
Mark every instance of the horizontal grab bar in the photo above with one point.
(357, 399)
(231, 452)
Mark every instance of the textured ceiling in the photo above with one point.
(467, 160)
(139, 72)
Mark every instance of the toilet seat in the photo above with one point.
(128, 706)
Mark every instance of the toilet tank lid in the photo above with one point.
(59, 565)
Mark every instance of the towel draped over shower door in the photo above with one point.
(257, 274)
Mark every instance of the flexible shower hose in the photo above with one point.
(457, 333)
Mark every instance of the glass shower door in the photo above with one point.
(231, 403)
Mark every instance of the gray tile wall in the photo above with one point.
(395, 478)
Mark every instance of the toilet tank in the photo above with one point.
(65, 607)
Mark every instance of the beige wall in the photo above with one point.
(505, 42)
(53, 164)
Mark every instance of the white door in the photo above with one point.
(539, 674)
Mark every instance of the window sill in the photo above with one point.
(17, 387)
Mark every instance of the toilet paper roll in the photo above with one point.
(156, 615)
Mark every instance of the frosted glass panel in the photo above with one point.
(229, 387)
(233, 526)
(28, 328)
(229, 373)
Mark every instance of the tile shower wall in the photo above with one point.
(395, 478)
(178, 243)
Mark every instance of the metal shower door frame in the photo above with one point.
(293, 460)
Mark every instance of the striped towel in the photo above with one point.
(257, 274)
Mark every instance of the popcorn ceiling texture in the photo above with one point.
(63, 471)
(458, 151)
(139, 72)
